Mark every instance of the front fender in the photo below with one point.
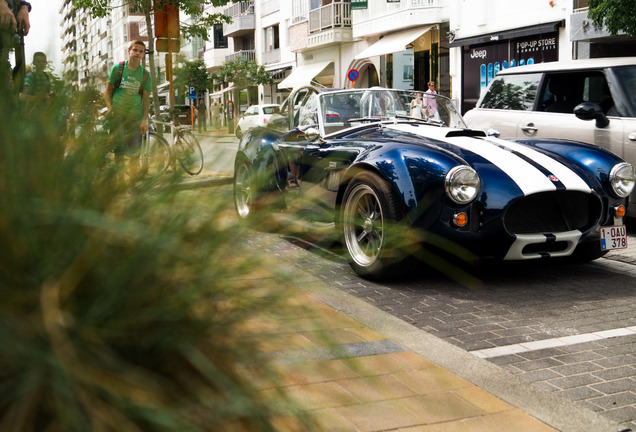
(259, 147)
(415, 173)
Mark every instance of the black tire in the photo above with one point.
(189, 153)
(370, 225)
(239, 133)
(156, 158)
(244, 190)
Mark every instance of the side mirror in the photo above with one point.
(591, 111)
(311, 133)
(493, 133)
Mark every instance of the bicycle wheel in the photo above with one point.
(156, 157)
(189, 153)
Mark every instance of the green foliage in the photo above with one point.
(617, 15)
(243, 74)
(122, 310)
(192, 73)
(192, 8)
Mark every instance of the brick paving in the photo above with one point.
(517, 304)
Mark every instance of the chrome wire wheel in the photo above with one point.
(363, 225)
(243, 190)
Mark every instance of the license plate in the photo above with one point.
(613, 237)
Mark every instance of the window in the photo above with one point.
(407, 72)
(513, 92)
(220, 41)
(562, 92)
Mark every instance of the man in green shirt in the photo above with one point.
(127, 105)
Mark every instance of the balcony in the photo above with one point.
(272, 56)
(382, 17)
(330, 25)
(243, 19)
(269, 7)
(245, 55)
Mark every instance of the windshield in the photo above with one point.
(627, 76)
(342, 109)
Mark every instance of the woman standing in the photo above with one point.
(416, 106)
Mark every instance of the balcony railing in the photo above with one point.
(246, 55)
(272, 56)
(240, 8)
(330, 16)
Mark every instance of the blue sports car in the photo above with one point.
(393, 186)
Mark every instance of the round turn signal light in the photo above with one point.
(460, 219)
(620, 211)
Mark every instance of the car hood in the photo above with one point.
(531, 170)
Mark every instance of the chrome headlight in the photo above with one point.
(462, 184)
(622, 179)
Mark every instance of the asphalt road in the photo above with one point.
(570, 329)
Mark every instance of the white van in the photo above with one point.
(592, 101)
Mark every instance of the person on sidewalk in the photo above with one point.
(37, 84)
(127, 99)
(202, 116)
(216, 114)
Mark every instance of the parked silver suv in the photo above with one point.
(592, 101)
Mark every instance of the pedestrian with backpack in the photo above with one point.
(127, 98)
(37, 84)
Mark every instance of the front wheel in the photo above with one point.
(156, 157)
(189, 153)
(239, 133)
(370, 222)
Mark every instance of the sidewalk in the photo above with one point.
(384, 374)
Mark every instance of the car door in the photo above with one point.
(553, 115)
(314, 165)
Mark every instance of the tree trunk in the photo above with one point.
(151, 61)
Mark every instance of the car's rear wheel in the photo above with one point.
(370, 220)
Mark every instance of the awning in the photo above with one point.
(303, 75)
(220, 92)
(393, 43)
(509, 34)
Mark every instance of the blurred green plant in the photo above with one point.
(121, 310)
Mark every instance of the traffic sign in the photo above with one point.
(353, 74)
(168, 45)
(192, 92)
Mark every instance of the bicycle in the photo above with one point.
(158, 155)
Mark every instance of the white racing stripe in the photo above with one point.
(528, 177)
(569, 178)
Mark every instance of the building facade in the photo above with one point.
(458, 44)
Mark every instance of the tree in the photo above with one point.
(242, 74)
(193, 73)
(616, 15)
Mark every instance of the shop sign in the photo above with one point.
(358, 4)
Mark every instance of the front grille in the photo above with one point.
(552, 212)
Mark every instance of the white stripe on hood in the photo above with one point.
(527, 176)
